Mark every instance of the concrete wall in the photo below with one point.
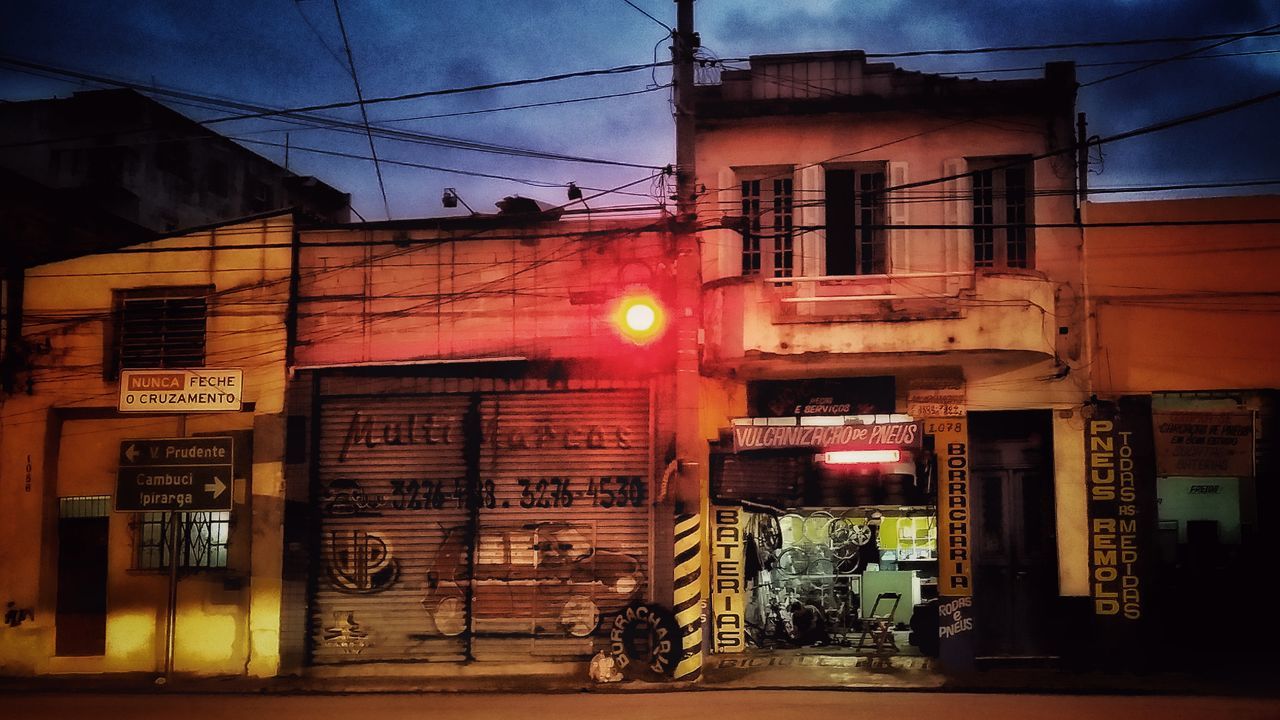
(536, 292)
(61, 438)
(1184, 306)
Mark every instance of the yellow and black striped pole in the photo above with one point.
(688, 595)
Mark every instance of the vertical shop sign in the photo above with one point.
(955, 559)
(1119, 466)
(728, 591)
(955, 563)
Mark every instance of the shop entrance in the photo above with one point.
(1015, 556)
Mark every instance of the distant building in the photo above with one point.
(108, 168)
(132, 157)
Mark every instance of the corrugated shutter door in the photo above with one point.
(565, 544)
(391, 580)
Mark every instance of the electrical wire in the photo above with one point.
(364, 113)
(642, 11)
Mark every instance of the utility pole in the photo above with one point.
(685, 540)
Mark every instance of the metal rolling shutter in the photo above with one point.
(391, 579)
(566, 540)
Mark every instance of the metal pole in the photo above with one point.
(171, 620)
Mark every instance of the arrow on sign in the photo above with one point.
(216, 487)
(132, 452)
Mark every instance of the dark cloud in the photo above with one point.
(262, 51)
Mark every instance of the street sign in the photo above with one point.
(181, 474)
(196, 390)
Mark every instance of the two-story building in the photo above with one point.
(895, 361)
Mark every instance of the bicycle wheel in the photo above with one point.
(793, 562)
(791, 527)
(815, 527)
(767, 531)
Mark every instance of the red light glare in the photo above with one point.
(639, 318)
(860, 457)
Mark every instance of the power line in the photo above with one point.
(1182, 55)
(364, 114)
(1059, 46)
(621, 69)
(1114, 63)
(646, 14)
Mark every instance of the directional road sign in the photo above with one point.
(182, 474)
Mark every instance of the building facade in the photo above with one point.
(896, 357)
(484, 452)
(86, 584)
(1182, 303)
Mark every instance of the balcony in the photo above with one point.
(877, 318)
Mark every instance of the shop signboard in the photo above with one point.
(935, 399)
(955, 559)
(180, 391)
(1120, 485)
(728, 580)
(1204, 444)
(830, 437)
(820, 396)
(175, 474)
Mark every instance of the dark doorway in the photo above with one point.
(82, 586)
(1015, 547)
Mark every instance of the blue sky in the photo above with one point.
(289, 53)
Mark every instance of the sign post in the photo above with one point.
(175, 476)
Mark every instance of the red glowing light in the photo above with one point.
(639, 318)
(860, 457)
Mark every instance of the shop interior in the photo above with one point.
(838, 556)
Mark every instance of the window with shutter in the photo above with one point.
(768, 242)
(856, 236)
(1001, 195)
(161, 328)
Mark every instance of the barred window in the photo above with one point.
(202, 540)
(1002, 216)
(161, 328)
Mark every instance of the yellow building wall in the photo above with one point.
(1184, 307)
(61, 438)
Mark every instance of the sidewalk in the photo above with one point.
(1256, 683)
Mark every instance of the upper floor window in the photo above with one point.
(856, 237)
(160, 328)
(768, 243)
(1002, 215)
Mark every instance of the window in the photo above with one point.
(161, 328)
(856, 235)
(202, 540)
(1002, 216)
(768, 244)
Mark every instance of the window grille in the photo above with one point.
(164, 329)
(84, 506)
(202, 540)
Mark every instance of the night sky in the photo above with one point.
(289, 53)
